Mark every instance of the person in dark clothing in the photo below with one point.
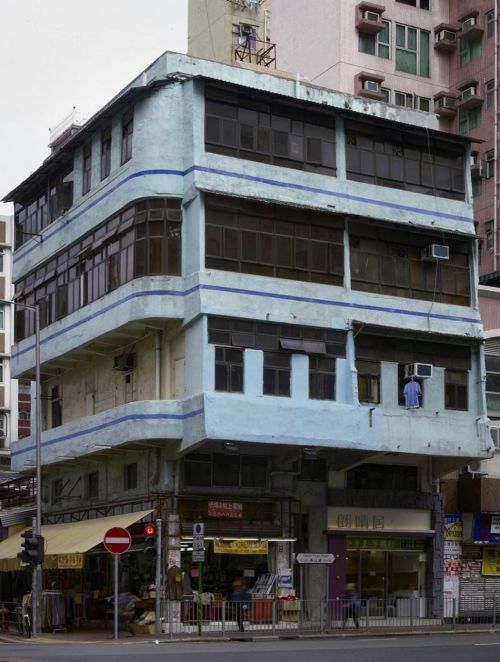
(239, 599)
(351, 605)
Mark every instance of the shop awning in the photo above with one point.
(65, 544)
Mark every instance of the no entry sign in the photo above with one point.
(117, 540)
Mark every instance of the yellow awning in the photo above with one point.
(65, 544)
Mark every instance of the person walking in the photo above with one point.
(351, 605)
(239, 598)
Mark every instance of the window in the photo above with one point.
(468, 50)
(56, 490)
(368, 381)
(412, 50)
(489, 164)
(492, 383)
(127, 134)
(423, 103)
(1, 315)
(87, 168)
(56, 406)
(321, 378)
(105, 153)
(1, 370)
(490, 90)
(455, 390)
(229, 369)
(488, 233)
(376, 44)
(387, 94)
(382, 477)
(469, 119)
(490, 24)
(477, 187)
(92, 484)
(277, 371)
(130, 476)
(422, 4)
(25, 414)
(402, 381)
(313, 469)
(403, 99)
(61, 192)
(221, 470)
(2, 255)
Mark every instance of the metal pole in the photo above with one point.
(200, 590)
(115, 611)
(158, 578)
(34, 584)
(37, 575)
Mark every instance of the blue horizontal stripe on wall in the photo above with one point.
(236, 175)
(256, 293)
(108, 424)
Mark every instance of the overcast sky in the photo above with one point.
(56, 54)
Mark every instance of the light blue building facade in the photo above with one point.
(232, 272)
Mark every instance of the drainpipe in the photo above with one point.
(158, 365)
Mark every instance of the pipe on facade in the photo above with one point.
(158, 365)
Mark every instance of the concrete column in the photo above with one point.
(300, 377)
(253, 372)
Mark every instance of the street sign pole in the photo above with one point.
(199, 557)
(158, 578)
(116, 556)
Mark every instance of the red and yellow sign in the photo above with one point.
(226, 509)
(241, 547)
(491, 561)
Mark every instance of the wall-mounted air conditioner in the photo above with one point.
(435, 252)
(468, 92)
(476, 468)
(371, 85)
(371, 16)
(446, 102)
(446, 35)
(469, 23)
(419, 370)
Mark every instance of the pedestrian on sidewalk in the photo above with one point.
(239, 598)
(351, 605)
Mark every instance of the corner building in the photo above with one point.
(230, 304)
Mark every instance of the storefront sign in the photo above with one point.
(241, 547)
(483, 530)
(69, 561)
(491, 561)
(387, 544)
(378, 519)
(225, 509)
(452, 554)
(453, 528)
(495, 524)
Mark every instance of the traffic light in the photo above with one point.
(150, 540)
(33, 548)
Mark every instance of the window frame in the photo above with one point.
(106, 149)
(92, 485)
(417, 51)
(130, 476)
(277, 374)
(225, 357)
(452, 390)
(319, 377)
(490, 23)
(127, 137)
(489, 90)
(86, 168)
(370, 373)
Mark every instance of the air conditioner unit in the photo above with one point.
(419, 370)
(468, 92)
(371, 85)
(469, 23)
(446, 102)
(124, 362)
(435, 252)
(371, 16)
(446, 35)
(476, 468)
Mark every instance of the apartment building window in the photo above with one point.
(130, 476)
(105, 152)
(490, 91)
(421, 4)
(382, 477)
(221, 470)
(61, 192)
(389, 261)
(273, 241)
(275, 133)
(92, 485)
(385, 157)
(490, 24)
(492, 383)
(489, 163)
(423, 103)
(412, 50)
(56, 406)
(455, 390)
(1, 315)
(57, 487)
(469, 119)
(387, 94)
(127, 135)
(477, 187)
(376, 44)
(277, 371)
(403, 99)
(468, 50)
(229, 369)
(25, 414)
(2, 255)
(321, 378)
(87, 168)
(368, 381)
(488, 233)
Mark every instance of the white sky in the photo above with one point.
(56, 54)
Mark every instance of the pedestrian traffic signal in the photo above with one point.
(150, 540)
(33, 548)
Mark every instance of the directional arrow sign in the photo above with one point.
(315, 558)
(117, 540)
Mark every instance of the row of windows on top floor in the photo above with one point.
(245, 237)
(269, 132)
(323, 346)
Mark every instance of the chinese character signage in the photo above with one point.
(240, 547)
(484, 531)
(389, 520)
(225, 509)
(452, 558)
(453, 528)
(491, 561)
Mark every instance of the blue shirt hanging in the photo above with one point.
(411, 393)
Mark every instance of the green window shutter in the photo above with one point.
(424, 54)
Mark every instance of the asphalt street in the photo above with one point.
(421, 648)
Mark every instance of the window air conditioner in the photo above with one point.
(468, 92)
(419, 370)
(469, 23)
(446, 102)
(435, 252)
(476, 468)
(371, 85)
(124, 362)
(371, 16)
(447, 35)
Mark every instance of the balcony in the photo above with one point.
(445, 105)
(369, 18)
(468, 96)
(445, 38)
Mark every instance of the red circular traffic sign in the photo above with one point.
(117, 540)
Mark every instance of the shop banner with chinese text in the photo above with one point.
(241, 547)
